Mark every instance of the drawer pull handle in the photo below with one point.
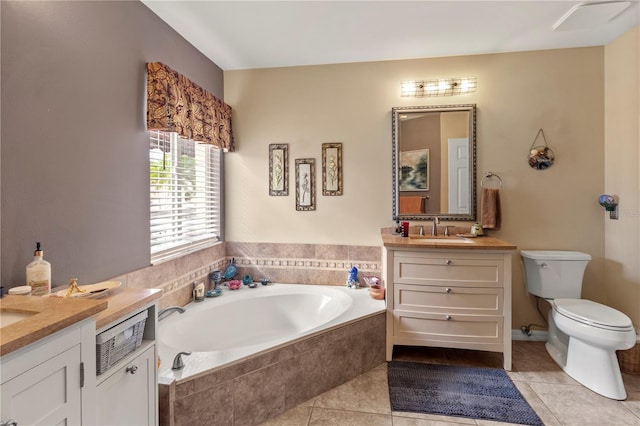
(132, 369)
(448, 290)
(448, 317)
(448, 262)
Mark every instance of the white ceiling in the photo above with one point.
(261, 34)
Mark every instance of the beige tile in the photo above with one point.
(259, 396)
(213, 407)
(632, 403)
(329, 417)
(331, 252)
(536, 404)
(371, 254)
(297, 416)
(577, 405)
(406, 418)
(533, 364)
(368, 392)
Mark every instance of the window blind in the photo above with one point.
(185, 195)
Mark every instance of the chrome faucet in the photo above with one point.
(434, 228)
(166, 311)
(421, 230)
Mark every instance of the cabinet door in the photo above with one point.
(46, 394)
(127, 396)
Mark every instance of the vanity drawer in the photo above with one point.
(432, 327)
(449, 270)
(443, 299)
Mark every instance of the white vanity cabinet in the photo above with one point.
(453, 298)
(50, 381)
(126, 393)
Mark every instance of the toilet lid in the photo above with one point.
(592, 313)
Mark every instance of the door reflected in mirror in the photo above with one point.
(434, 162)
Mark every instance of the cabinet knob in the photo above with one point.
(448, 317)
(448, 262)
(9, 423)
(448, 290)
(132, 369)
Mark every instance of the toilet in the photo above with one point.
(583, 335)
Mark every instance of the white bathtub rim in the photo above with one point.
(202, 363)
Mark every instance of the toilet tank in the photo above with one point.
(554, 274)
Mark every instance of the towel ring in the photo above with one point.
(489, 175)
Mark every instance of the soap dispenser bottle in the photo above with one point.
(39, 274)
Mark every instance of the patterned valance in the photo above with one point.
(176, 104)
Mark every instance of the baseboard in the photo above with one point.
(536, 335)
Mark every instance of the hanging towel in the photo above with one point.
(490, 216)
(411, 204)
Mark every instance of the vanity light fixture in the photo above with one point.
(441, 87)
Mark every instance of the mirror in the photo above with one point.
(434, 162)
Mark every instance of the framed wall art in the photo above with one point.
(305, 184)
(414, 170)
(331, 169)
(279, 169)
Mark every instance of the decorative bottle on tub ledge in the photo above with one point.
(39, 274)
(352, 279)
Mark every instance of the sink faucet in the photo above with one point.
(434, 228)
(166, 311)
(421, 232)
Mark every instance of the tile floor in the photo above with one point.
(555, 397)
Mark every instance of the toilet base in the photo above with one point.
(594, 367)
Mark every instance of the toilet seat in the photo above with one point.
(593, 314)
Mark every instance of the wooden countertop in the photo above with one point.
(51, 314)
(123, 301)
(457, 243)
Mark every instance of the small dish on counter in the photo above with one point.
(90, 291)
(234, 284)
(213, 293)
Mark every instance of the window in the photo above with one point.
(185, 195)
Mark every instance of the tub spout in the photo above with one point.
(178, 364)
(166, 311)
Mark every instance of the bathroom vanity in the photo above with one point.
(48, 364)
(46, 360)
(448, 292)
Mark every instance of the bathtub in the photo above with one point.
(243, 323)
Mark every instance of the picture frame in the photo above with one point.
(332, 168)
(414, 170)
(305, 184)
(279, 169)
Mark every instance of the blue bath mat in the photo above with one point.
(477, 393)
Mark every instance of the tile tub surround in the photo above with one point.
(323, 264)
(266, 385)
(175, 277)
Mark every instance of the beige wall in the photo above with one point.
(622, 177)
(561, 91)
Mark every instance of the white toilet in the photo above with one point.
(583, 335)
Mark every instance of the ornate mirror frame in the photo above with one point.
(399, 113)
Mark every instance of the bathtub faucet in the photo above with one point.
(178, 363)
(166, 311)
